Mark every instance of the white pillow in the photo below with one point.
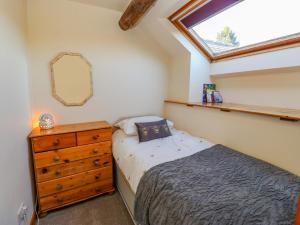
(129, 127)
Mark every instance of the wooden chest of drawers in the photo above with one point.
(72, 163)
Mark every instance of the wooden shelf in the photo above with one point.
(281, 113)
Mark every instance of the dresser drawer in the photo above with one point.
(53, 142)
(74, 181)
(94, 136)
(67, 155)
(77, 194)
(63, 170)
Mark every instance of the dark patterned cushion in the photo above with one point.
(153, 130)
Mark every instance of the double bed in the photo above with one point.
(162, 182)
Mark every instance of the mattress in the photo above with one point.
(135, 159)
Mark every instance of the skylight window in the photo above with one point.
(224, 28)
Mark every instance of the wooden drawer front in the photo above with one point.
(62, 170)
(67, 155)
(74, 181)
(93, 136)
(53, 142)
(74, 195)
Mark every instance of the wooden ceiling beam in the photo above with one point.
(134, 13)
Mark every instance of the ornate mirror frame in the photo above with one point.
(53, 83)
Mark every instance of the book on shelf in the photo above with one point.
(207, 92)
(210, 94)
(217, 97)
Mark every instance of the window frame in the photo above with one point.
(267, 46)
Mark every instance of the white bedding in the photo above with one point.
(135, 158)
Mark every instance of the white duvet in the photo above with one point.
(134, 158)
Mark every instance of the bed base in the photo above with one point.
(125, 191)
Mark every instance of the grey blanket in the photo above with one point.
(217, 186)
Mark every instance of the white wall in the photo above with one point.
(284, 58)
(179, 79)
(277, 88)
(263, 137)
(130, 70)
(199, 75)
(267, 79)
(14, 113)
(198, 68)
(189, 67)
(179, 85)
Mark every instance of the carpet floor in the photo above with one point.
(103, 210)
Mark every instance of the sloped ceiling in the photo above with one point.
(161, 9)
(151, 23)
(118, 5)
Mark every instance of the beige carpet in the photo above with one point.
(103, 210)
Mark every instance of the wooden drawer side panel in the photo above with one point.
(74, 181)
(68, 155)
(94, 136)
(67, 169)
(75, 195)
(53, 142)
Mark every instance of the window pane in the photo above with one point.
(250, 22)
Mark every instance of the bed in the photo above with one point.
(133, 159)
(163, 169)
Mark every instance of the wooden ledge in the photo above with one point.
(281, 113)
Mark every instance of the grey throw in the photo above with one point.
(217, 186)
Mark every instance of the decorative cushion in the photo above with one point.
(129, 127)
(153, 130)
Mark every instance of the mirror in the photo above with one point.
(71, 76)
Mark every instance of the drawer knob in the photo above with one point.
(98, 177)
(59, 187)
(56, 142)
(60, 200)
(96, 137)
(44, 170)
(95, 151)
(105, 163)
(57, 173)
(97, 162)
(56, 158)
